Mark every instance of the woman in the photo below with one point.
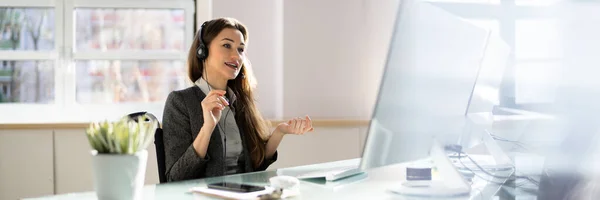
(214, 128)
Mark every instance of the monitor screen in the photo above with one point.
(431, 68)
(486, 92)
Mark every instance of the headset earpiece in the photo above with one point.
(202, 51)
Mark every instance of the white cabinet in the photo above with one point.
(37, 163)
(26, 163)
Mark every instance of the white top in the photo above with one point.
(228, 129)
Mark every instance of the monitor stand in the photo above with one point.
(451, 184)
(496, 161)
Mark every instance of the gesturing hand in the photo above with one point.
(212, 107)
(296, 126)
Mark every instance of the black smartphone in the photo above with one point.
(235, 187)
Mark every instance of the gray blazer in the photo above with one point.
(182, 120)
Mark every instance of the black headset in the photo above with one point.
(202, 51)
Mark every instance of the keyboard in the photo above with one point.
(332, 174)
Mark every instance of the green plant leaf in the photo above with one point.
(124, 136)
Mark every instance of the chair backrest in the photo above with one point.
(158, 143)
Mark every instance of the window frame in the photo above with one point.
(65, 108)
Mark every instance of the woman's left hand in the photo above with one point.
(297, 126)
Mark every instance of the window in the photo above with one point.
(82, 60)
(28, 46)
(530, 28)
(538, 54)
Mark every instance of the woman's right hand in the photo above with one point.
(212, 107)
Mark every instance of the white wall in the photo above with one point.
(321, 58)
(380, 20)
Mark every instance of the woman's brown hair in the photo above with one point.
(252, 123)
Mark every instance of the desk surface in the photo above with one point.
(373, 184)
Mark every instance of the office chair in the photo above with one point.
(158, 143)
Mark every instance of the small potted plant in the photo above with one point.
(119, 156)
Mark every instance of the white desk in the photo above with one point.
(372, 185)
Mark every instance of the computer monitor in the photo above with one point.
(431, 68)
(486, 91)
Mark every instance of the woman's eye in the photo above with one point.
(241, 50)
(227, 46)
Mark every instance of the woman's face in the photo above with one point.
(226, 54)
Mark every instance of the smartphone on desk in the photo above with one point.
(235, 187)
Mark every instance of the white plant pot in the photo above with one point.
(119, 176)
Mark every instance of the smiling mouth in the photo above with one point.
(232, 65)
